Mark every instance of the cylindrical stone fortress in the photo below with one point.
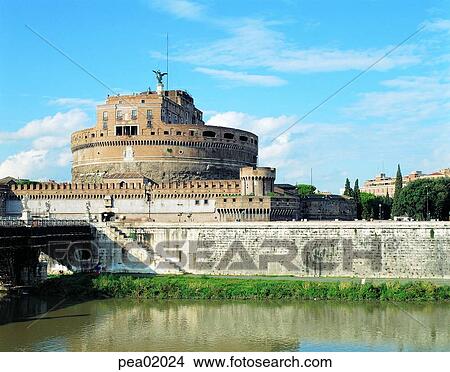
(160, 136)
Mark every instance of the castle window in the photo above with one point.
(197, 202)
(133, 114)
(142, 100)
(228, 135)
(206, 201)
(166, 132)
(105, 115)
(234, 200)
(243, 138)
(178, 133)
(224, 200)
(191, 133)
(119, 115)
(250, 199)
(209, 133)
(105, 125)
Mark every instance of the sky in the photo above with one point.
(258, 65)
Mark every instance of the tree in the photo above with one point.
(397, 192)
(305, 190)
(425, 198)
(375, 207)
(348, 190)
(357, 197)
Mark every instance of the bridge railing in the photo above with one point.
(41, 222)
(11, 222)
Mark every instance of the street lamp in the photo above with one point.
(379, 211)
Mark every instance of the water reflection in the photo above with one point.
(128, 325)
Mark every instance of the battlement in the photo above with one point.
(196, 189)
(53, 190)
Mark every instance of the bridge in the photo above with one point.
(21, 243)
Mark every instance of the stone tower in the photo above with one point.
(257, 181)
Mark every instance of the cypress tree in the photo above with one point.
(396, 210)
(398, 182)
(357, 197)
(348, 190)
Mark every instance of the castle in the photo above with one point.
(151, 157)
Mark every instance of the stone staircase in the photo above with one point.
(143, 258)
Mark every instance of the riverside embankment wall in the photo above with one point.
(354, 249)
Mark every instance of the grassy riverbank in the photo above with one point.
(205, 288)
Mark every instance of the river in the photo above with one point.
(32, 324)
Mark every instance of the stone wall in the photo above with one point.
(3, 194)
(360, 249)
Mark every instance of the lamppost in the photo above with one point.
(149, 201)
(379, 211)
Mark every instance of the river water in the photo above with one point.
(32, 324)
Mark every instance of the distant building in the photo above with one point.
(383, 185)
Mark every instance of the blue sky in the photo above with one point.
(256, 65)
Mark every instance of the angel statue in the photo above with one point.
(25, 200)
(159, 76)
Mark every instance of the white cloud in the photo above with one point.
(24, 164)
(243, 77)
(343, 149)
(74, 102)
(253, 43)
(64, 158)
(265, 126)
(438, 25)
(61, 124)
(180, 8)
(48, 140)
(409, 98)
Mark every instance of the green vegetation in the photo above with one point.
(375, 207)
(210, 288)
(357, 197)
(176, 287)
(305, 190)
(70, 286)
(398, 190)
(424, 199)
(25, 182)
(348, 191)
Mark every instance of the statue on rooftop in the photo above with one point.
(159, 76)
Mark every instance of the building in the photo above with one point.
(160, 135)
(383, 185)
(151, 157)
(5, 184)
